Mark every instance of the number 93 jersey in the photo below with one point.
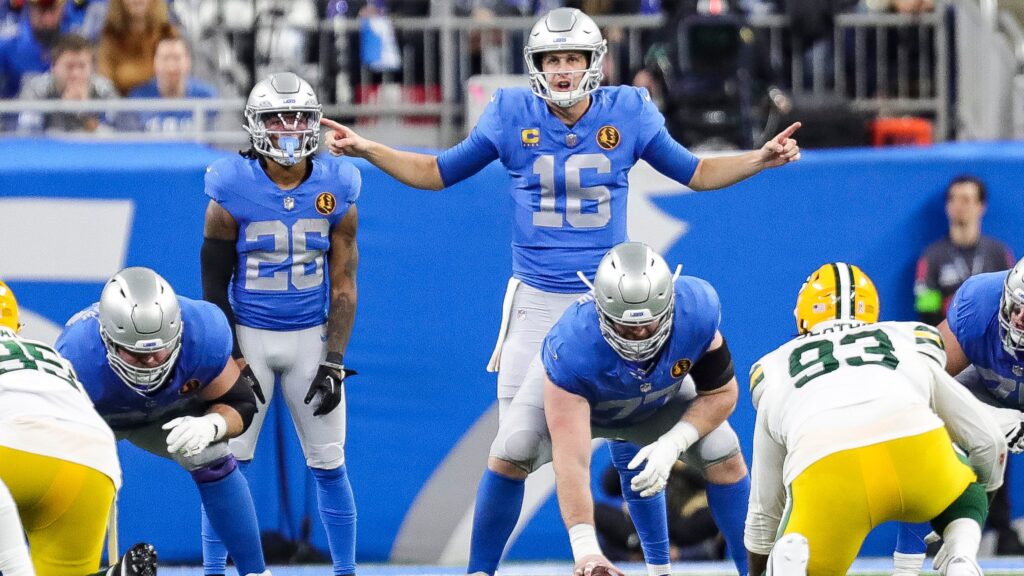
(579, 360)
(847, 385)
(569, 185)
(281, 281)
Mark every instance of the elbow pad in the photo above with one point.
(242, 397)
(714, 369)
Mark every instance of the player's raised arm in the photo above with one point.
(723, 171)
(410, 168)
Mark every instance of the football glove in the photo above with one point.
(661, 455)
(250, 378)
(328, 384)
(190, 435)
(1015, 437)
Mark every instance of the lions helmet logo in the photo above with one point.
(608, 137)
(681, 367)
(325, 203)
(189, 387)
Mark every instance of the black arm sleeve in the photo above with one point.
(218, 259)
(242, 398)
(714, 369)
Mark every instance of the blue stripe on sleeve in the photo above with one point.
(670, 157)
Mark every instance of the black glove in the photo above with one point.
(250, 379)
(328, 381)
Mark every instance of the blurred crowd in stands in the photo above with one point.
(718, 82)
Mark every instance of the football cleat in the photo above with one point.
(789, 556)
(139, 560)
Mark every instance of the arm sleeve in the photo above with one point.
(767, 491)
(971, 427)
(670, 157)
(217, 260)
(479, 149)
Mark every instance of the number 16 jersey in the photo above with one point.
(569, 184)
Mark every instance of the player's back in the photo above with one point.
(846, 385)
(44, 409)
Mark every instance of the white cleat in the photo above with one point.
(789, 556)
(958, 566)
(264, 573)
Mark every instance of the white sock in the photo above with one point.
(962, 538)
(659, 569)
(907, 564)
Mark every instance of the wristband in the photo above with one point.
(584, 541)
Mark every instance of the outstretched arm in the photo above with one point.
(410, 168)
(722, 171)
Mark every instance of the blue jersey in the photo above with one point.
(973, 317)
(578, 359)
(569, 185)
(205, 350)
(281, 281)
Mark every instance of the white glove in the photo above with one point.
(661, 456)
(190, 436)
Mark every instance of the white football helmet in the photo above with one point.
(288, 104)
(139, 312)
(1010, 305)
(565, 30)
(633, 287)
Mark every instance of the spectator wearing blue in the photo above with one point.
(72, 78)
(172, 66)
(28, 52)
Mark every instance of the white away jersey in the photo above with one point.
(44, 410)
(848, 385)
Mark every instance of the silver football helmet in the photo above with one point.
(282, 117)
(140, 314)
(1010, 305)
(633, 288)
(565, 30)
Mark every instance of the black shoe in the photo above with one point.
(139, 560)
(1008, 544)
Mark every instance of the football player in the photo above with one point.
(280, 235)
(59, 461)
(984, 338)
(640, 360)
(158, 368)
(568, 144)
(855, 427)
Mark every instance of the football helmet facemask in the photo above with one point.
(1010, 305)
(565, 30)
(282, 117)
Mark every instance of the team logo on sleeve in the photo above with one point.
(608, 137)
(530, 137)
(325, 203)
(189, 387)
(681, 367)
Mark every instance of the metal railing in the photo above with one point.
(882, 63)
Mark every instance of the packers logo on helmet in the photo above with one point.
(836, 291)
(9, 317)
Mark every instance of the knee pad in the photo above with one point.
(718, 446)
(325, 456)
(214, 471)
(521, 447)
(789, 556)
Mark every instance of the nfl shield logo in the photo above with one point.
(289, 203)
(571, 140)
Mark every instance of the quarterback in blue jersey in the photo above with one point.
(984, 338)
(568, 144)
(158, 369)
(279, 258)
(639, 360)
